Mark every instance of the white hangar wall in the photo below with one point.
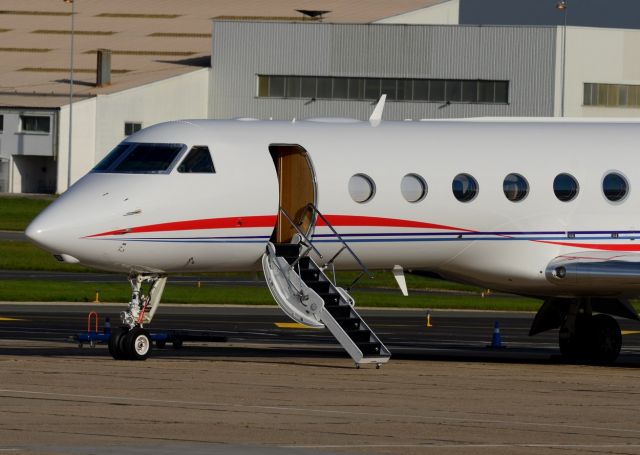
(608, 57)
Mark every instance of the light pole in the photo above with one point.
(563, 6)
(73, 29)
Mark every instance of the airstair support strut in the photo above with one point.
(307, 295)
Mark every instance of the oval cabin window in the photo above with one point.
(413, 188)
(565, 187)
(615, 187)
(515, 187)
(465, 188)
(361, 188)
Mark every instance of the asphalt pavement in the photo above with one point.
(456, 335)
(12, 235)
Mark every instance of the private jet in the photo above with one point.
(545, 208)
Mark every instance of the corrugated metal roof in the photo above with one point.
(151, 39)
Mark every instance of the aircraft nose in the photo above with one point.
(33, 232)
(40, 232)
(51, 231)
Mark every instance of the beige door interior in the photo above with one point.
(297, 189)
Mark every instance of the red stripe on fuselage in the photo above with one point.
(375, 221)
(595, 246)
(270, 221)
(191, 225)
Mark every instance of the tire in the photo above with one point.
(116, 343)
(605, 340)
(597, 339)
(138, 344)
(577, 346)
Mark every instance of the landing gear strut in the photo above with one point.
(587, 337)
(132, 341)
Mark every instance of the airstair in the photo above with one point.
(307, 295)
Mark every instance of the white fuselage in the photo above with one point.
(177, 222)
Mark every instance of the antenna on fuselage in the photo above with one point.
(376, 115)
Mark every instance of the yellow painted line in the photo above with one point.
(10, 319)
(291, 325)
(630, 332)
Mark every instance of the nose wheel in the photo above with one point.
(134, 344)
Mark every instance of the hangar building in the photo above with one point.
(287, 70)
(433, 58)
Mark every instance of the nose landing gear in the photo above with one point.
(132, 341)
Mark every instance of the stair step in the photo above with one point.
(330, 299)
(369, 347)
(359, 336)
(318, 286)
(287, 249)
(339, 311)
(348, 323)
(310, 274)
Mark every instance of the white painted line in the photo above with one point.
(465, 446)
(231, 406)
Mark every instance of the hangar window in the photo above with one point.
(356, 89)
(277, 86)
(140, 158)
(341, 87)
(515, 187)
(361, 188)
(368, 88)
(308, 87)
(293, 87)
(131, 127)
(198, 161)
(611, 95)
(453, 91)
(413, 188)
(35, 123)
(436, 91)
(465, 187)
(615, 187)
(565, 187)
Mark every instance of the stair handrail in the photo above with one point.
(345, 246)
(307, 240)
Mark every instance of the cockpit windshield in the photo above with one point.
(140, 158)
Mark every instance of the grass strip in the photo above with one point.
(17, 212)
(18, 255)
(67, 291)
(53, 291)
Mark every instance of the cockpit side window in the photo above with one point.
(112, 157)
(197, 161)
(140, 158)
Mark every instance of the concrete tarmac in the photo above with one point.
(278, 391)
